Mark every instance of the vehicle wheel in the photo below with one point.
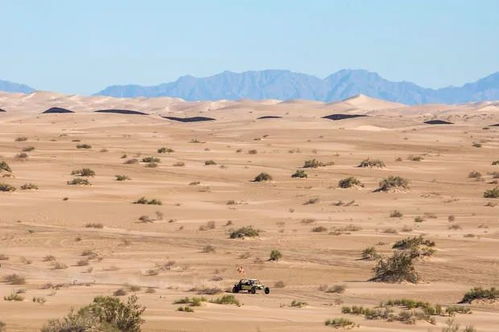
(267, 290)
(253, 290)
(235, 289)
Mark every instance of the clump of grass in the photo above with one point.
(29, 186)
(372, 163)
(340, 323)
(299, 174)
(418, 219)
(5, 167)
(122, 177)
(210, 162)
(94, 225)
(275, 255)
(6, 187)
(337, 289)
(396, 214)
(86, 172)
(151, 160)
(131, 161)
(21, 139)
(79, 182)
(298, 304)
(475, 175)
(120, 292)
(226, 299)
(262, 177)
(22, 155)
(350, 182)
(59, 266)
(393, 182)
(28, 148)
(311, 201)
(246, 231)
(192, 301)
(14, 296)
(479, 293)
(370, 254)
(83, 146)
(491, 193)
(14, 279)
(185, 309)
(143, 200)
(165, 150)
(477, 144)
(208, 249)
(319, 229)
(314, 163)
(495, 162)
(415, 158)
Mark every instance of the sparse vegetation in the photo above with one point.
(226, 299)
(83, 146)
(86, 172)
(79, 182)
(94, 225)
(6, 187)
(314, 163)
(122, 177)
(396, 214)
(298, 304)
(475, 175)
(262, 177)
(342, 323)
(393, 182)
(275, 255)
(151, 160)
(29, 186)
(14, 279)
(210, 162)
(246, 231)
(299, 174)
(397, 268)
(165, 150)
(372, 163)
(370, 254)
(143, 200)
(479, 293)
(491, 193)
(5, 167)
(350, 182)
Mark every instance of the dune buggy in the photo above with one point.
(250, 286)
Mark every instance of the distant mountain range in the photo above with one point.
(14, 87)
(285, 85)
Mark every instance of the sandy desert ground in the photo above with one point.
(186, 246)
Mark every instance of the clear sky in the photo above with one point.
(82, 46)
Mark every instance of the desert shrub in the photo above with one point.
(208, 249)
(105, 313)
(21, 139)
(349, 182)
(319, 229)
(279, 284)
(165, 150)
(418, 219)
(337, 289)
(79, 182)
(122, 177)
(299, 174)
(418, 246)
(311, 201)
(82, 262)
(226, 299)
(94, 225)
(143, 200)
(491, 193)
(83, 146)
(120, 292)
(48, 258)
(477, 144)
(396, 214)
(372, 163)
(275, 255)
(314, 163)
(131, 161)
(340, 323)
(14, 296)
(393, 182)
(185, 309)
(5, 167)
(14, 279)
(262, 177)
(83, 172)
(151, 160)
(59, 266)
(246, 231)
(479, 293)
(193, 301)
(22, 155)
(298, 304)
(7, 187)
(28, 148)
(415, 158)
(29, 186)
(209, 225)
(210, 162)
(4, 257)
(474, 175)
(397, 268)
(370, 253)
(2, 326)
(495, 162)
(39, 300)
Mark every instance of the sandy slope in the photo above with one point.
(34, 224)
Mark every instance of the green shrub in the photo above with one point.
(372, 163)
(299, 174)
(105, 313)
(83, 172)
(397, 268)
(262, 177)
(491, 193)
(122, 177)
(226, 299)
(143, 200)
(479, 293)
(340, 323)
(393, 182)
(275, 255)
(350, 182)
(246, 231)
(29, 186)
(370, 254)
(7, 187)
(5, 167)
(193, 302)
(83, 146)
(79, 182)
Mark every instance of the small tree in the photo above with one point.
(275, 255)
(397, 268)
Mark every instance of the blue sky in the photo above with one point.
(83, 46)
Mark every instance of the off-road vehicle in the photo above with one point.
(250, 286)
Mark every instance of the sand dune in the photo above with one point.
(74, 242)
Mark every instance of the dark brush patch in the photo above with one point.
(1, 110)
(270, 117)
(437, 122)
(57, 110)
(494, 125)
(191, 119)
(336, 117)
(118, 111)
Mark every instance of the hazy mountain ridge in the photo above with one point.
(15, 87)
(284, 85)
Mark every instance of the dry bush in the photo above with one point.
(415, 158)
(342, 323)
(314, 163)
(337, 289)
(83, 146)
(208, 226)
(491, 193)
(79, 182)
(131, 161)
(7, 187)
(372, 163)
(319, 229)
(312, 201)
(396, 214)
(370, 253)
(14, 279)
(279, 284)
(5, 167)
(29, 186)
(94, 225)
(165, 150)
(28, 148)
(393, 182)
(479, 293)
(350, 182)
(210, 162)
(21, 139)
(275, 255)
(397, 268)
(22, 155)
(143, 200)
(208, 249)
(298, 304)
(246, 231)
(262, 177)
(122, 177)
(120, 292)
(299, 174)
(86, 172)
(475, 175)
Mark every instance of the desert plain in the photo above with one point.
(71, 243)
